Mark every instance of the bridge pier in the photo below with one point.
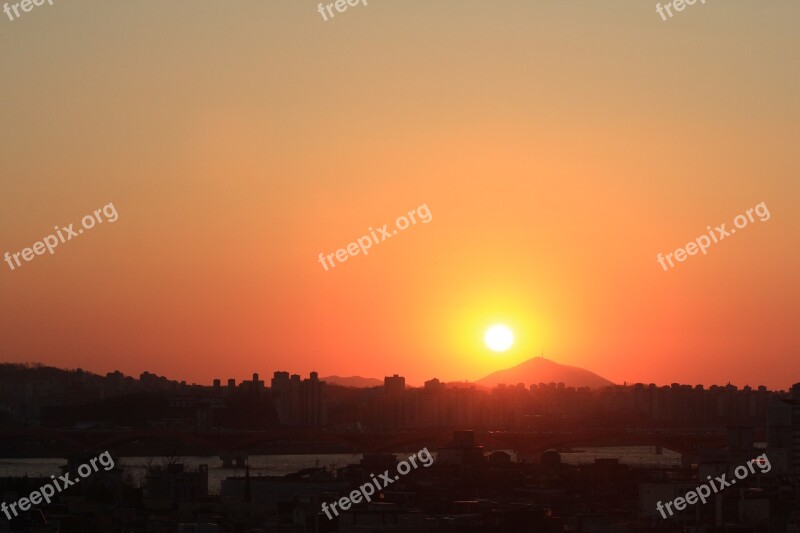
(233, 461)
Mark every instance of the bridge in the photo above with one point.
(683, 441)
(47, 442)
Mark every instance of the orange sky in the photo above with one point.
(559, 146)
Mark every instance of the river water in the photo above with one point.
(275, 465)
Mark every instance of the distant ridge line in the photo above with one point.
(540, 370)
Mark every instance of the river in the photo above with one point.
(274, 465)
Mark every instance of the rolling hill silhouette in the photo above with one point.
(354, 381)
(541, 370)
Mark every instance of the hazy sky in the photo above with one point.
(559, 145)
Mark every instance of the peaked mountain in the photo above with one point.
(541, 370)
(354, 381)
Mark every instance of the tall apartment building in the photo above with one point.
(299, 403)
(783, 433)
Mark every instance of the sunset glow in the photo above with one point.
(559, 148)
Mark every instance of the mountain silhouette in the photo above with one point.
(354, 381)
(541, 370)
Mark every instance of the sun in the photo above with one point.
(499, 338)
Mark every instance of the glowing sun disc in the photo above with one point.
(499, 338)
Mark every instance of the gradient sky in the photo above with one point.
(559, 146)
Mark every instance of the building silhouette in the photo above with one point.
(299, 403)
(783, 433)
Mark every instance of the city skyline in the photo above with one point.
(457, 266)
(341, 380)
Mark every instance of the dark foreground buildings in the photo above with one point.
(473, 484)
(466, 488)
